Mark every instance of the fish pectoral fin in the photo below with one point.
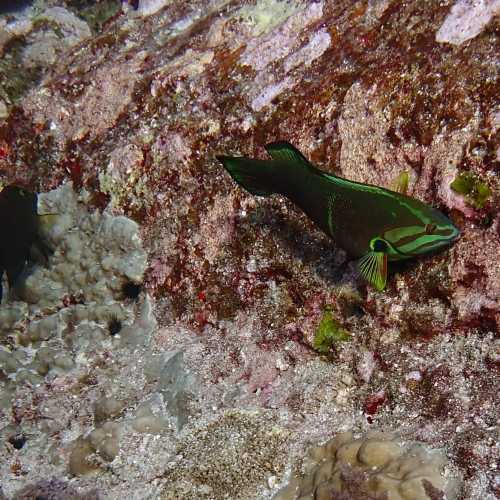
(400, 183)
(373, 267)
(284, 151)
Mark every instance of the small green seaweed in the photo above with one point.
(473, 189)
(328, 333)
(97, 14)
(15, 79)
(41, 23)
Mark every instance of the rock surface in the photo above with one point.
(127, 106)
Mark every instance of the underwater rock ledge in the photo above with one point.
(188, 340)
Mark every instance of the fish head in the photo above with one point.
(404, 242)
(432, 232)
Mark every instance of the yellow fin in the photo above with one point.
(400, 183)
(373, 267)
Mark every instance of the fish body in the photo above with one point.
(19, 230)
(372, 224)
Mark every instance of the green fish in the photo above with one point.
(372, 224)
(20, 240)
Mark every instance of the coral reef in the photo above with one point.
(173, 328)
(466, 20)
(32, 42)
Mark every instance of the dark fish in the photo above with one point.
(372, 224)
(20, 241)
(9, 6)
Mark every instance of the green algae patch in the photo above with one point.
(99, 13)
(328, 333)
(15, 79)
(472, 188)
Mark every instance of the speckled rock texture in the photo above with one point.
(172, 356)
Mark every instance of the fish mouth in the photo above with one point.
(453, 236)
(457, 234)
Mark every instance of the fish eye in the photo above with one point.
(378, 245)
(430, 228)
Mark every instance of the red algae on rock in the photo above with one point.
(221, 334)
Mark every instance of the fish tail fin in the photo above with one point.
(256, 176)
(266, 177)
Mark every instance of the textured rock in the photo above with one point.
(466, 20)
(230, 457)
(53, 489)
(211, 306)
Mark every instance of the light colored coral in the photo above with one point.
(107, 407)
(80, 460)
(8, 31)
(4, 112)
(467, 18)
(139, 332)
(315, 48)
(366, 365)
(379, 463)
(268, 93)
(102, 102)
(124, 178)
(106, 440)
(87, 452)
(61, 312)
(45, 46)
(263, 51)
(73, 28)
(148, 417)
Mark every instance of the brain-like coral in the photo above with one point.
(59, 312)
(373, 467)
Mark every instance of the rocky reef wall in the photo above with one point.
(169, 348)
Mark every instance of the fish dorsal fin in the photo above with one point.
(400, 183)
(373, 267)
(284, 151)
